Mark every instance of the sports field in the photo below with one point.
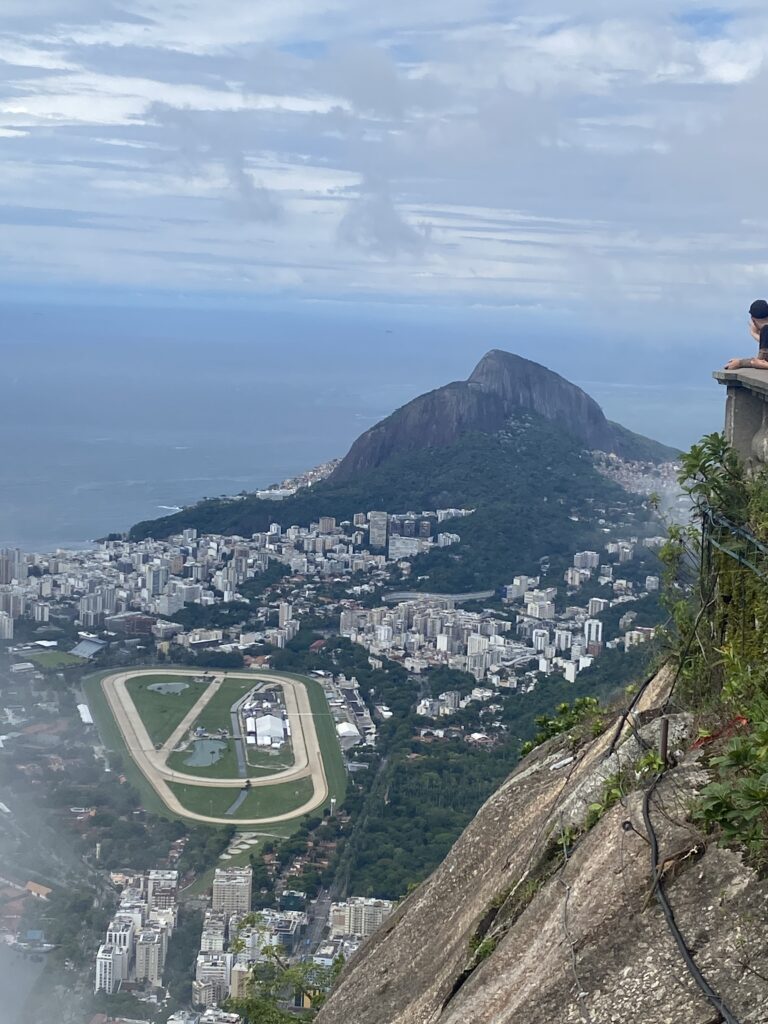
(152, 728)
(54, 659)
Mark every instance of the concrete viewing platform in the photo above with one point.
(746, 414)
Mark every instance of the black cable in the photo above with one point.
(661, 897)
(629, 709)
(691, 637)
(633, 703)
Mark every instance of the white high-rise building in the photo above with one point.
(476, 643)
(358, 916)
(232, 890)
(575, 577)
(586, 560)
(212, 974)
(377, 529)
(150, 956)
(285, 613)
(517, 588)
(162, 888)
(540, 638)
(111, 968)
(541, 609)
(593, 631)
(214, 932)
(155, 579)
(597, 605)
(13, 565)
(120, 934)
(384, 635)
(6, 626)
(563, 639)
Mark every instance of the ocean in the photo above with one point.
(113, 414)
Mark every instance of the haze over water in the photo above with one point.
(18, 975)
(110, 413)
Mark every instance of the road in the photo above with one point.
(238, 738)
(422, 595)
(308, 760)
(318, 919)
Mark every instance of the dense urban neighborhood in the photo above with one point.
(187, 916)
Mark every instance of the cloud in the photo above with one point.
(255, 201)
(469, 151)
(373, 224)
(200, 140)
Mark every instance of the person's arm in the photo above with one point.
(747, 364)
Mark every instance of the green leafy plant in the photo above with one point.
(567, 838)
(713, 475)
(613, 791)
(737, 802)
(716, 590)
(649, 764)
(583, 709)
(485, 949)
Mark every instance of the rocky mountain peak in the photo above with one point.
(501, 385)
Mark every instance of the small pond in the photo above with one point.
(205, 753)
(165, 688)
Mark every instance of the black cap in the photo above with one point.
(759, 309)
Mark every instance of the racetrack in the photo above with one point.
(308, 760)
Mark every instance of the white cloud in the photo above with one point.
(432, 150)
(92, 98)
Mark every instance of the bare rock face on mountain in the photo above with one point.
(539, 915)
(501, 385)
(522, 384)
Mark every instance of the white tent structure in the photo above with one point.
(270, 731)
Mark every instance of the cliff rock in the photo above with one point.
(501, 385)
(539, 915)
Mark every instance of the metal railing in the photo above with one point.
(735, 541)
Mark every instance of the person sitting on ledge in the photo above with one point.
(758, 328)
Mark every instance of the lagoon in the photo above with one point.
(204, 753)
(165, 688)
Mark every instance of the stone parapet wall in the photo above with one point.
(746, 414)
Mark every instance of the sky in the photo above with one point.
(600, 161)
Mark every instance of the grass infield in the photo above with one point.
(225, 767)
(162, 712)
(264, 802)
